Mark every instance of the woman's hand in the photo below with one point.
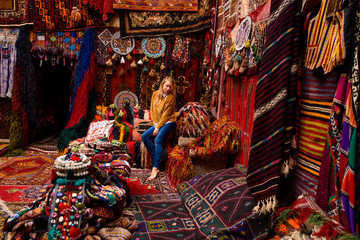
(155, 132)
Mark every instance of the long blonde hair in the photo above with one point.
(161, 92)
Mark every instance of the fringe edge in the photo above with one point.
(267, 205)
(287, 166)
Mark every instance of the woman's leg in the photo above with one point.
(159, 140)
(146, 138)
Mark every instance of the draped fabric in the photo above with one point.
(317, 94)
(328, 187)
(348, 160)
(325, 43)
(337, 193)
(82, 108)
(275, 104)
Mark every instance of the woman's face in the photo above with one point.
(167, 87)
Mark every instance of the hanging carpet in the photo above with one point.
(275, 104)
(141, 24)
(317, 94)
(155, 5)
(16, 12)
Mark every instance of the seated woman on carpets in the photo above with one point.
(162, 110)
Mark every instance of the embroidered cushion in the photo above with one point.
(306, 219)
(98, 130)
(140, 126)
(221, 205)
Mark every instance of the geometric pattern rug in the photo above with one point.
(161, 216)
(33, 170)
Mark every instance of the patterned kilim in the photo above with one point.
(155, 5)
(161, 183)
(317, 94)
(57, 15)
(162, 216)
(16, 12)
(34, 170)
(275, 104)
(139, 23)
(18, 196)
(242, 96)
(221, 205)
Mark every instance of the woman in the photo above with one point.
(163, 116)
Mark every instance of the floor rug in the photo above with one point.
(137, 187)
(34, 170)
(161, 183)
(17, 197)
(162, 216)
(3, 149)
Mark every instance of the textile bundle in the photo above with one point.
(83, 105)
(274, 129)
(222, 137)
(192, 120)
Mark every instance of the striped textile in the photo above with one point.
(317, 94)
(325, 42)
(348, 161)
(327, 192)
(275, 104)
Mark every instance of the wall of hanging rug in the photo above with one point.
(153, 23)
(138, 64)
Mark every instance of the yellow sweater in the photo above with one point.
(163, 112)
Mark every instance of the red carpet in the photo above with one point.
(138, 188)
(35, 170)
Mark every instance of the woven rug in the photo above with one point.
(155, 5)
(275, 104)
(15, 12)
(16, 197)
(33, 170)
(141, 24)
(161, 183)
(162, 216)
(317, 94)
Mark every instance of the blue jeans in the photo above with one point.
(155, 148)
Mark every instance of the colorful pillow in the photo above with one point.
(221, 205)
(304, 219)
(140, 126)
(98, 130)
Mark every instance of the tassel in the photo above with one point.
(140, 62)
(61, 181)
(74, 233)
(152, 62)
(53, 173)
(133, 64)
(53, 234)
(122, 61)
(128, 57)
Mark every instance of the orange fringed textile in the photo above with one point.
(223, 137)
(179, 166)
